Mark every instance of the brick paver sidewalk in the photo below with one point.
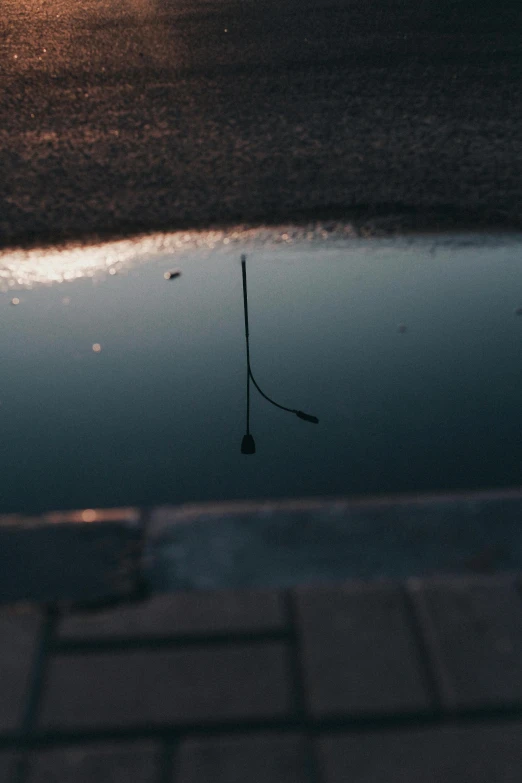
(362, 681)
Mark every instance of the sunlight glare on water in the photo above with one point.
(26, 268)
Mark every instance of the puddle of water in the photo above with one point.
(129, 388)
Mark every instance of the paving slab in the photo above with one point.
(473, 629)
(8, 763)
(87, 555)
(260, 758)
(150, 687)
(112, 762)
(359, 653)
(366, 654)
(180, 614)
(19, 638)
(476, 754)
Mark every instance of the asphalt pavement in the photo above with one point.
(121, 117)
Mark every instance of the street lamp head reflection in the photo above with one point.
(248, 445)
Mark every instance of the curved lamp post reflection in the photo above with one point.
(248, 445)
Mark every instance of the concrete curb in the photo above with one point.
(283, 544)
(89, 555)
(93, 556)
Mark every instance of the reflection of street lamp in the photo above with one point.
(248, 445)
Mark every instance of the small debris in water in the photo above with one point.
(518, 311)
(96, 347)
(15, 301)
(402, 328)
(172, 275)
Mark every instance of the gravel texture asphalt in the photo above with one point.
(121, 117)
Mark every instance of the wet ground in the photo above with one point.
(123, 387)
(145, 115)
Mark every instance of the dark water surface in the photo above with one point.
(158, 414)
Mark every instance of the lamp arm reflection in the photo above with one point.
(300, 414)
(304, 416)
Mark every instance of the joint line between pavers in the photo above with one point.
(518, 587)
(34, 692)
(437, 675)
(39, 671)
(425, 651)
(168, 754)
(297, 683)
(21, 769)
(150, 644)
(174, 733)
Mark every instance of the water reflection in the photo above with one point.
(248, 445)
(152, 417)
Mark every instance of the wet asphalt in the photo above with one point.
(122, 117)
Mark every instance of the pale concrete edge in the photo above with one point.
(163, 517)
(213, 546)
(152, 526)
